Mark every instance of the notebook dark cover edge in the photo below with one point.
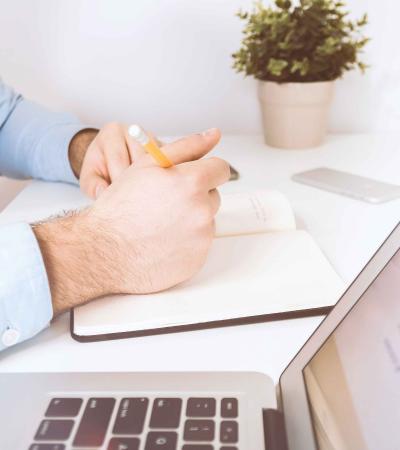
(297, 314)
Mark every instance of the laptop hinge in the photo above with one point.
(274, 430)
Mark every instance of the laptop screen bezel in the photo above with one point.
(293, 396)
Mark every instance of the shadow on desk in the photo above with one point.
(9, 189)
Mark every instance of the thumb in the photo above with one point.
(192, 147)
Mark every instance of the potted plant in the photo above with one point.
(297, 50)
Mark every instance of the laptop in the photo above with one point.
(341, 391)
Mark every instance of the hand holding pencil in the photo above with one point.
(116, 147)
(163, 218)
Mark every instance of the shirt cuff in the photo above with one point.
(52, 152)
(25, 299)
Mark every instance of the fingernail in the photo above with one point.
(100, 188)
(210, 132)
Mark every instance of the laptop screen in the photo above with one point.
(353, 381)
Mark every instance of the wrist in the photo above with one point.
(73, 259)
(78, 147)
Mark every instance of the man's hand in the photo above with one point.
(99, 157)
(150, 230)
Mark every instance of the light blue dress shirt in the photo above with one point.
(33, 143)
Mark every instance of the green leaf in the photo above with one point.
(302, 66)
(276, 66)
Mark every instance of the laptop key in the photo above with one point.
(229, 431)
(47, 447)
(64, 407)
(123, 443)
(229, 408)
(197, 447)
(199, 430)
(131, 415)
(201, 407)
(94, 422)
(228, 448)
(161, 440)
(166, 413)
(54, 430)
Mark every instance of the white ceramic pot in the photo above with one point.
(295, 115)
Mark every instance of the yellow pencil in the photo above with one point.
(150, 145)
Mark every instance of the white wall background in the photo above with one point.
(167, 64)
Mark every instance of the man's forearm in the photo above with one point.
(74, 258)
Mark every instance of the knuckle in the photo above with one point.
(175, 184)
(215, 159)
(227, 169)
(196, 182)
(112, 126)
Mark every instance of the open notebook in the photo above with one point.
(259, 268)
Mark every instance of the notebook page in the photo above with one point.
(254, 212)
(243, 276)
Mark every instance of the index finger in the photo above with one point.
(193, 147)
(189, 148)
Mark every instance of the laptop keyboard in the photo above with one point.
(139, 423)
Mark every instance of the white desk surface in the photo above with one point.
(348, 231)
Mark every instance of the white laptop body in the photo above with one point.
(341, 391)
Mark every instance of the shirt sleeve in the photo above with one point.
(25, 300)
(34, 141)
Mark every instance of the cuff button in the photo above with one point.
(10, 337)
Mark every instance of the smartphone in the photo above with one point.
(361, 188)
(234, 174)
